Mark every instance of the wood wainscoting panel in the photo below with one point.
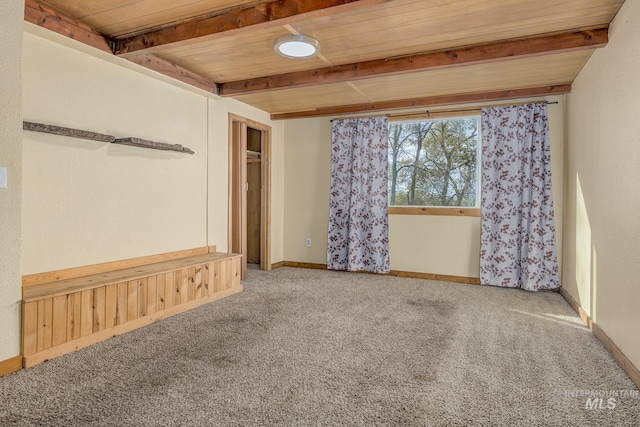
(62, 316)
(103, 335)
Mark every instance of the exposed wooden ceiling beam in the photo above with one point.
(432, 101)
(202, 29)
(51, 19)
(584, 39)
(174, 71)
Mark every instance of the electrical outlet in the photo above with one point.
(3, 177)
(307, 242)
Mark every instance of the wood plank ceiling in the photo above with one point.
(375, 54)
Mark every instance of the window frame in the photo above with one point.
(468, 211)
(429, 210)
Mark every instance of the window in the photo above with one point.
(434, 162)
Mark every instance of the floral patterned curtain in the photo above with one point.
(358, 221)
(517, 230)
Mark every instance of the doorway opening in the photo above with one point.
(250, 192)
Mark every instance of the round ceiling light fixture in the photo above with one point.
(296, 46)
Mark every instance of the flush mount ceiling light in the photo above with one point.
(296, 46)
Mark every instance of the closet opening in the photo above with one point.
(250, 192)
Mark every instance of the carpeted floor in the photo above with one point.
(309, 347)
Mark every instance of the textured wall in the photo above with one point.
(307, 174)
(11, 14)
(426, 244)
(602, 229)
(88, 202)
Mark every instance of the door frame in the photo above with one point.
(237, 201)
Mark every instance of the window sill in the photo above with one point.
(422, 210)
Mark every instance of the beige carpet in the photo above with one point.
(309, 347)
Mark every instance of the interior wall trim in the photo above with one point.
(612, 348)
(10, 366)
(396, 273)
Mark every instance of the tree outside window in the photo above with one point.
(434, 162)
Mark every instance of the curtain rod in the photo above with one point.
(428, 112)
(360, 117)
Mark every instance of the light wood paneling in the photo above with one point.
(198, 281)
(234, 277)
(47, 324)
(450, 99)
(210, 28)
(416, 62)
(152, 294)
(86, 313)
(29, 327)
(254, 173)
(442, 24)
(205, 280)
(372, 33)
(252, 55)
(74, 302)
(533, 72)
(37, 358)
(169, 289)
(121, 303)
(182, 277)
(191, 286)
(124, 17)
(366, 30)
(221, 272)
(111, 306)
(99, 308)
(304, 98)
(160, 292)
(538, 71)
(142, 297)
(55, 322)
(132, 300)
(59, 321)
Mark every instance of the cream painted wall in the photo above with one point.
(11, 15)
(307, 158)
(602, 227)
(425, 244)
(435, 244)
(89, 202)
